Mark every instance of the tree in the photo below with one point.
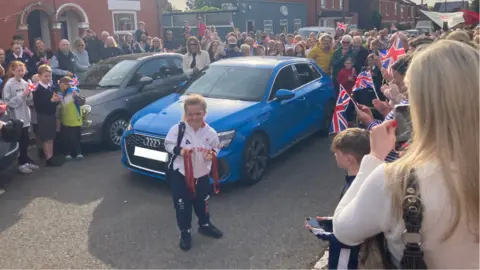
(474, 5)
(195, 4)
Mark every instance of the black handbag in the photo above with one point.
(412, 254)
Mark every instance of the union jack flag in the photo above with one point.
(74, 81)
(364, 80)
(339, 120)
(390, 56)
(32, 86)
(342, 26)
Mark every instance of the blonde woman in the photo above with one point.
(111, 49)
(197, 142)
(444, 156)
(245, 49)
(157, 45)
(195, 59)
(322, 53)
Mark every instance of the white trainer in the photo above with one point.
(24, 169)
(32, 166)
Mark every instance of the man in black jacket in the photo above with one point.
(93, 45)
(63, 62)
(360, 53)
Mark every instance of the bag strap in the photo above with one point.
(181, 133)
(412, 216)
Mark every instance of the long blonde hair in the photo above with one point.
(445, 115)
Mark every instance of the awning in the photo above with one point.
(452, 18)
(471, 17)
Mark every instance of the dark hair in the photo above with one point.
(353, 141)
(402, 63)
(18, 37)
(420, 41)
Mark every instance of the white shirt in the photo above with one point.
(201, 60)
(201, 141)
(366, 210)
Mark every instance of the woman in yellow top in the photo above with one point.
(322, 52)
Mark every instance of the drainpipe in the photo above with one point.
(343, 11)
(316, 12)
(160, 5)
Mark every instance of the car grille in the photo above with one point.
(149, 142)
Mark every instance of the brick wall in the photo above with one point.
(97, 12)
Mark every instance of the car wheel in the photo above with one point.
(113, 131)
(327, 119)
(255, 159)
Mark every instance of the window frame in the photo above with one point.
(297, 22)
(292, 66)
(283, 22)
(265, 25)
(323, 4)
(135, 21)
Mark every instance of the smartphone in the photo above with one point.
(313, 222)
(403, 132)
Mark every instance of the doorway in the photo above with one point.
(250, 26)
(38, 28)
(69, 26)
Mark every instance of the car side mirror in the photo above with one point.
(144, 81)
(284, 94)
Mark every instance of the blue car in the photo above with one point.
(260, 106)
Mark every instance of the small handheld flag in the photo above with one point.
(342, 26)
(390, 56)
(339, 119)
(74, 81)
(32, 86)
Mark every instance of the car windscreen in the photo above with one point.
(107, 74)
(236, 83)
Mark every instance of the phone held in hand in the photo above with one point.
(313, 222)
(403, 131)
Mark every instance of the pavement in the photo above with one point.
(94, 213)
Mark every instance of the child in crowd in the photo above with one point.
(18, 96)
(71, 118)
(347, 75)
(349, 147)
(46, 100)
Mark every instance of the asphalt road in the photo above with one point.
(95, 214)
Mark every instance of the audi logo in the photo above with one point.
(151, 142)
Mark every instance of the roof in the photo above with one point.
(260, 61)
(134, 56)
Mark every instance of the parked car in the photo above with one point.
(260, 106)
(318, 30)
(118, 87)
(8, 150)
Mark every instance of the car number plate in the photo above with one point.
(150, 154)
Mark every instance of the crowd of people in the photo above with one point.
(437, 75)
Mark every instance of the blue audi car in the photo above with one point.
(260, 106)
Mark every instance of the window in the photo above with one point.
(218, 19)
(154, 69)
(286, 79)
(124, 21)
(396, 7)
(284, 26)
(268, 26)
(178, 20)
(341, 4)
(323, 5)
(412, 10)
(306, 74)
(107, 73)
(297, 24)
(234, 83)
(401, 12)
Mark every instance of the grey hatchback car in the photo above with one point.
(118, 87)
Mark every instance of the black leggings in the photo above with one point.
(184, 201)
(71, 140)
(23, 144)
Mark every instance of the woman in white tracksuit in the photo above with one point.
(199, 144)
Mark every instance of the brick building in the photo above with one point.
(52, 20)
(400, 12)
(332, 11)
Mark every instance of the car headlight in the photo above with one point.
(226, 138)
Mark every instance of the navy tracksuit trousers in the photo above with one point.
(184, 200)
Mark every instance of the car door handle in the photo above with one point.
(301, 98)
